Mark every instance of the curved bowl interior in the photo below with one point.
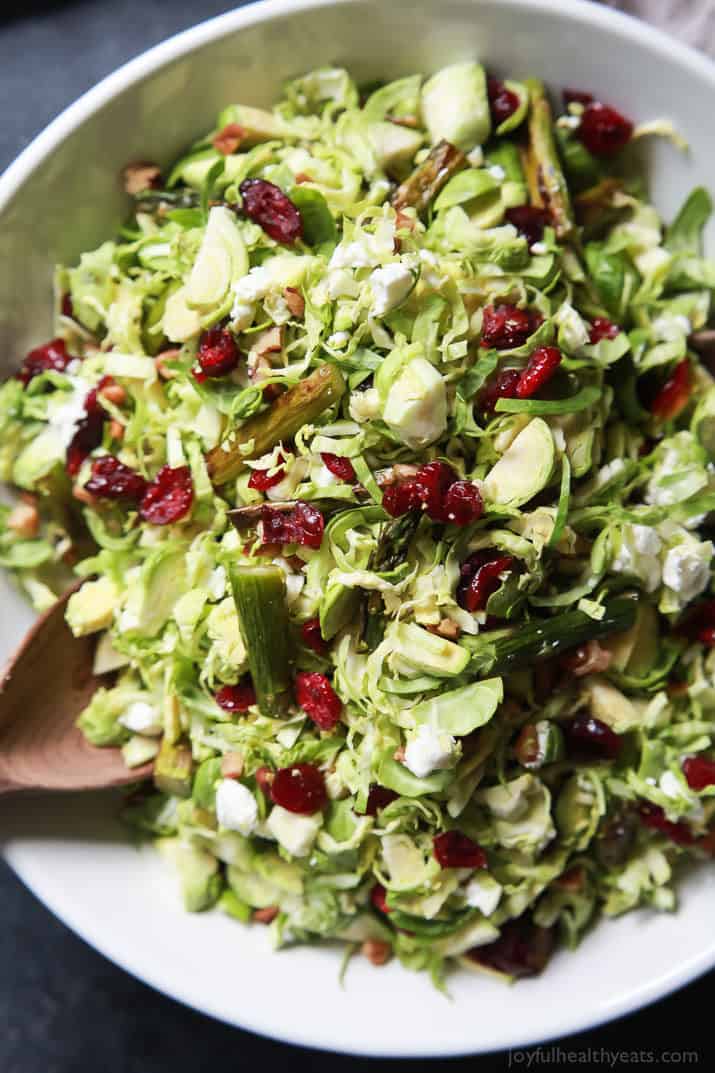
(62, 197)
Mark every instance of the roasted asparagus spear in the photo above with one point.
(547, 184)
(260, 596)
(541, 640)
(421, 187)
(300, 405)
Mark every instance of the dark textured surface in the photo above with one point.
(64, 1008)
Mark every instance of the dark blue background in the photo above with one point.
(64, 1008)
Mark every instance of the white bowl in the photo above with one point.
(61, 197)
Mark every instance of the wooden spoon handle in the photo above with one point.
(42, 692)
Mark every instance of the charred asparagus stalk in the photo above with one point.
(259, 593)
(394, 541)
(392, 547)
(547, 184)
(300, 405)
(421, 187)
(542, 640)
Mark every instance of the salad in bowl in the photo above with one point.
(382, 440)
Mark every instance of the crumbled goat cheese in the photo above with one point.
(390, 286)
(142, 718)
(686, 569)
(236, 807)
(429, 751)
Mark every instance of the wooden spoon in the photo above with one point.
(43, 689)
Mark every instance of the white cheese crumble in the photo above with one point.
(65, 418)
(539, 247)
(475, 156)
(366, 250)
(242, 315)
(483, 893)
(429, 750)
(639, 554)
(236, 807)
(390, 286)
(497, 172)
(338, 339)
(253, 287)
(686, 569)
(142, 718)
(670, 785)
(573, 332)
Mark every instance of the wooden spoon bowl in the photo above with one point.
(43, 689)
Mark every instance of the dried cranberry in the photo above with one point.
(452, 849)
(463, 503)
(699, 623)
(592, 739)
(602, 328)
(262, 479)
(378, 897)
(501, 386)
(309, 523)
(433, 481)
(276, 527)
(312, 637)
(238, 698)
(52, 356)
(529, 221)
(502, 101)
(304, 524)
(675, 393)
(111, 479)
(435, 489)
(299, 788)
(506, 326)
(401, 497)
(378, 798)
(699, 772)
(603, 130)
(480, 576)
(576, 96)
(522, 949)
(542, 364)
(169, 496)
(677, 831)
(342, 468)
(318, 699)
(268, 206)
(88, 433)
(92, 405)
(218, 355)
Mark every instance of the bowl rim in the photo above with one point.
(32, 157)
